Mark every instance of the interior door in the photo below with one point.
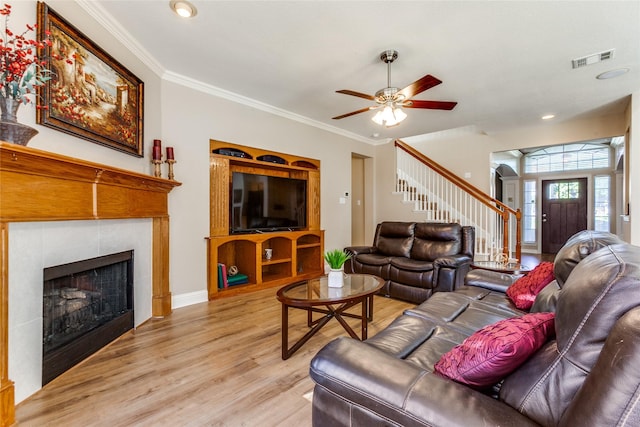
(564, 211)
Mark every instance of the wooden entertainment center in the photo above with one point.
(296, 255)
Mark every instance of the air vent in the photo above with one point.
(592, 59)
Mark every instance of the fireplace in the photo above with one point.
(86, 305)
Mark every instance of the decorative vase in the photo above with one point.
(335, 278)
(10, 129)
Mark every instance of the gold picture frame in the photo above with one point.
(90, 94)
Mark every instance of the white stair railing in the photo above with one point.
(445, 197)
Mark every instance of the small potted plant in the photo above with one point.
(336, 259)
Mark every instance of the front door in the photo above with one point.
(564, 211)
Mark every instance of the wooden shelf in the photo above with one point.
(275, 261)
(312, 245)
(289, 263)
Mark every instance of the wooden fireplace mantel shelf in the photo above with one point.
(42, 186)
(37, 185)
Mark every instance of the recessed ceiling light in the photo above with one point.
(548, 116)
(612, 73)
(183, 8)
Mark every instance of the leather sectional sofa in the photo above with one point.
(416, 259)
(587, 375)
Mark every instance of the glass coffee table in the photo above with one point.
(315, 296)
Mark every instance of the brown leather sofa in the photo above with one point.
(416, 259)
(588, 375)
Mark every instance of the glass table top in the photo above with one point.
(318, 291)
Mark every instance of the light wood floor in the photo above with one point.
(209, 364)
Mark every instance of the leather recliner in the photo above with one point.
(416, 259)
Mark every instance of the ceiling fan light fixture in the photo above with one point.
(390, 115)
(183, 8)
(391, 100)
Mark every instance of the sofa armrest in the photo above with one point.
(355, 250)
(449, 272)
(453, 261)
(492, 280)
(395, 389)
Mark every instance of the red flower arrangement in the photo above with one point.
(21, 69)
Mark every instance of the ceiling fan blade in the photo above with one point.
(358, 94)
(353, 113)
(431, 105)
(427, 82)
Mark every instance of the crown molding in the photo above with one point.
(250, 102)
(105, 19)
(110, 24)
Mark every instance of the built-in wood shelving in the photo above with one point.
(297, 255)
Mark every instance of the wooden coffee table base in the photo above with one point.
(330, 312)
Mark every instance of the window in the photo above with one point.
(529, 212)
(567, 158)
(564, 190)
(601, 201)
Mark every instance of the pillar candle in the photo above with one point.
(157, 154)
(170, 153)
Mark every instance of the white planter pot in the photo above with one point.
(335, 278)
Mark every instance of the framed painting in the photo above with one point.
(90, 94)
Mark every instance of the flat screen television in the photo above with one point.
(261, 203)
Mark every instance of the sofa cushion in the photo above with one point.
(547, 299)
(577, 248)
(435, 240)
(373, 259)
(493, 352)
(523, 291)
(394, 238)
(411, 264)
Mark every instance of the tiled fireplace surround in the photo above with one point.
(53, 210)
(37, 245)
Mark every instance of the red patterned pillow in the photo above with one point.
(493, 352)
(523, 291)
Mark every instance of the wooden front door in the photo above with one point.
(564, 211)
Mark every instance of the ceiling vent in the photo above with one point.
(592, 59)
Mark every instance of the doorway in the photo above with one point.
(357, 201)
(564, 211)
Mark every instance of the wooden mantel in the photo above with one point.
(37, 185)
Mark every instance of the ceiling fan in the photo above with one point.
(391, 100)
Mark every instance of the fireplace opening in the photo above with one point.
(86, 305)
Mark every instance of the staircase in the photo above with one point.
(445, 197)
